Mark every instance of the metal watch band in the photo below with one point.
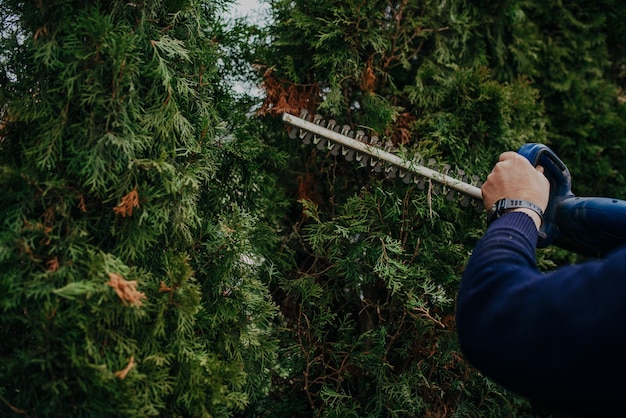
(502, 205)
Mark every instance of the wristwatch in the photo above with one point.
(502, 205)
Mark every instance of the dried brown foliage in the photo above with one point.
(163, 288)
(126, 290)
(53, 264)
(282, 96)
(401, 133)
(368, 77)
(128, 203)
(307, 188)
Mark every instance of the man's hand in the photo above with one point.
(513, 177)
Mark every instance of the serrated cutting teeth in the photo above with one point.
(391, 171)
(362, 158)
(379, 156)
(305, 137)
(348, 153)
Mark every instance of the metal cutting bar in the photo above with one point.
(411, 166)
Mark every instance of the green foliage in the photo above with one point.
(372, 265)
(165, 253)
(586, 115)
(573, 55)
(130, 229)
(368, 316)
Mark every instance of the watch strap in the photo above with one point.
(503, 205)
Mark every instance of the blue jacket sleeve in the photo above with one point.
(557, 337)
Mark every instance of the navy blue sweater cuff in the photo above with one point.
(520, 222)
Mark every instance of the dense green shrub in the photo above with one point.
(130, 230)
(165, 252)
(368, 304)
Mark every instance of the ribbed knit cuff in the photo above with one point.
(520, 221)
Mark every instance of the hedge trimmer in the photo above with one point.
(591, 226)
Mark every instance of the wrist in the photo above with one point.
(533, 215)
(503, 206)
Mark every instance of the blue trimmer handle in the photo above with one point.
(591, 226)
(560, 187)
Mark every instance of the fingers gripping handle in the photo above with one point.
(560, 187)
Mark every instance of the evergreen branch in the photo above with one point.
(13, 408)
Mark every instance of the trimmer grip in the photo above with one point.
(560, 187)
(592, 226)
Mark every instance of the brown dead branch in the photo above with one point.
(121, 374)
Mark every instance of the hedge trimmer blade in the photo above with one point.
(370, 151)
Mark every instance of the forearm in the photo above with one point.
(531, 331)
(498, 273)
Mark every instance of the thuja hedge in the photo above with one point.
(166, 250)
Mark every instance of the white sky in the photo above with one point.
(255, 11)
(248, 8)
